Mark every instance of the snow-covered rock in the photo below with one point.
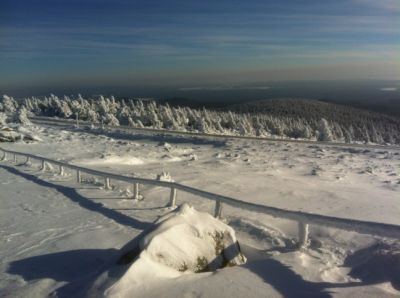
(164, 176)
(187, 239)
(184, 240)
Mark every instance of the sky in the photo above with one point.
(184, 43)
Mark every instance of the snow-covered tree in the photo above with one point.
(22, 116)
(325, 133)
(3, 119)
(9, 105)
(92, 116)
(65, 110)
(111, 120)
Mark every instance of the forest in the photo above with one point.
(280, 118)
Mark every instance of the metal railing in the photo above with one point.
(302, 218)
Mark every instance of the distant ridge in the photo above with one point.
(306, 108)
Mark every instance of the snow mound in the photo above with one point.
(17, 133)
(184, 241)
(166, 146)
(164, 176)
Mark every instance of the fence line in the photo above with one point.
(302, 218)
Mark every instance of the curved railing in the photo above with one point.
(304, 219)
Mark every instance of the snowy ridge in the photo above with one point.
(363, 227)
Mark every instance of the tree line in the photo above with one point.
(288, 118)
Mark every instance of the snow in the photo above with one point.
(68, 235)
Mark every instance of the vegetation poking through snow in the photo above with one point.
(183, 267)
(280, 118)
(201, 265)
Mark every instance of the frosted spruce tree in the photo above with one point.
(325, 133)
(22, 117)
(9, 105)
(3, 119)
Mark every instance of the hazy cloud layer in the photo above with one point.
(123, 41)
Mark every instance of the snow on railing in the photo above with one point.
(304, 219)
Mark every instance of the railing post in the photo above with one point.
(107, 183)
(218, 209)
(136, 191)
(43, 166)
(28, 160)
(61, 172)
(4, 158)
(172, 198)
(78, 176)
(303, 234)
(15, 158)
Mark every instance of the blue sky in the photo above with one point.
(185, 43)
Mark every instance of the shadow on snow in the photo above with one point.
(84, 202)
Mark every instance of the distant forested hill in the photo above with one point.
(368, 124)
(309, 109)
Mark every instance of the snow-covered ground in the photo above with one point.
(57, 234)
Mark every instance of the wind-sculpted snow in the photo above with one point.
(360, 126)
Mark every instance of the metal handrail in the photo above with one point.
(304, 219)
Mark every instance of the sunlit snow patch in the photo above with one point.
(124, 160)
(113, 160)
